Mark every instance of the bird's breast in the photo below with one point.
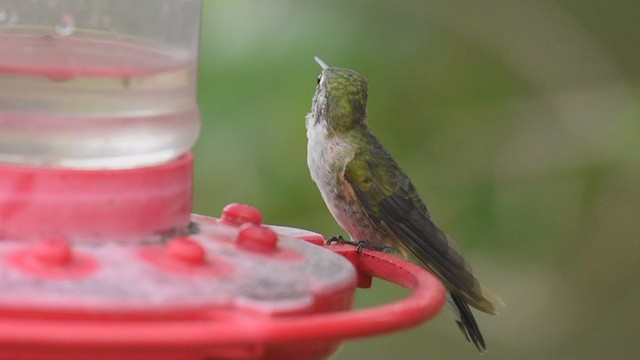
(327, 157)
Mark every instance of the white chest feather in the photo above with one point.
(327, 157)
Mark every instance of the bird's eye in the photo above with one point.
(319, 78)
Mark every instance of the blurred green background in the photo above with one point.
(518, 121)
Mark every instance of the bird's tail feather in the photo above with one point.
(492, 300)
(466, 322)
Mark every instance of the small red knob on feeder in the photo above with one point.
(257, 238)
(238, 214)
(186, 250)
(53, 252)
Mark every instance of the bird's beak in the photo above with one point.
(320, 62)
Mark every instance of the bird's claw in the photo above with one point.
(365, 245)
(338, 240)
(360, 245)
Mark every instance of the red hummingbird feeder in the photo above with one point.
(100, 256)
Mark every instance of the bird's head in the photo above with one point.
(340, 101)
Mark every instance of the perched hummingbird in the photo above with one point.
(373, 199)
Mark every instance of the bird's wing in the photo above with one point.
(393, 205)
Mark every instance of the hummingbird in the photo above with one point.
(375, 202)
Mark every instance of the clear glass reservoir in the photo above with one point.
(98, 83)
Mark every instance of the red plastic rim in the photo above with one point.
(426, 300)
(100, 205)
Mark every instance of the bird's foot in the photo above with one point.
(365, 245)
(360, 245)
(339, 240)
